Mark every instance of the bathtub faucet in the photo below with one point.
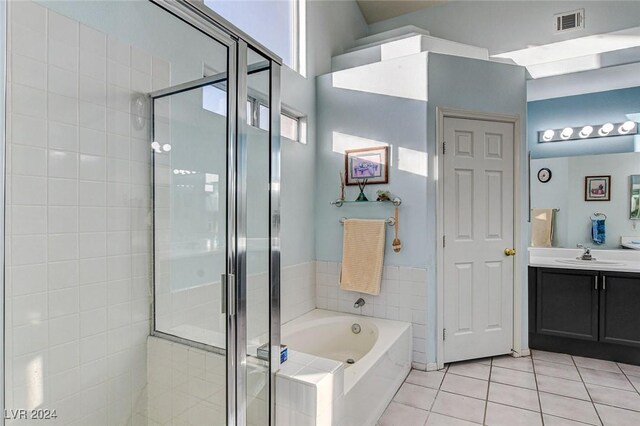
(359, 303)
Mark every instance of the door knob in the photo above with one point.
(510, 251)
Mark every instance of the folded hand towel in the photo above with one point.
(363, 255)
(542, 228)
(598, 234)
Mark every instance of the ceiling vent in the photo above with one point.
(569, 21)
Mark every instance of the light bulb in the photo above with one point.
(155, 146)
(166, 147)
(566, 133)
(548, 135)
(626, 127)
(586, 131)
(605, 129)
(176, 171)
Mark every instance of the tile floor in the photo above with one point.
(545, 389)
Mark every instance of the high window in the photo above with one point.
(273, 23)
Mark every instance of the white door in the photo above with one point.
(478, 227)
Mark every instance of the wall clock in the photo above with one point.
(544, 175)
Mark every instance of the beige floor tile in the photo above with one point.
(596, 364)
(554, 369)
(551, 357)
(559, 421)
(569, 408)
(612, 416)
(462, 407)
(514, 396)
(429, 379)
(507, 361)
(513, 377)
(605, 378)
(635, 381)
(467, 386)
(436, 419)
(416, 396)
(475, 370)
(630, 370)
(629, 400)
(402, 415)
(502, 415)
(564, 387)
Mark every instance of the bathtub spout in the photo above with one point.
(359, 303)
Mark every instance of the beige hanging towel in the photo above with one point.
(542, 228)
(363, 255)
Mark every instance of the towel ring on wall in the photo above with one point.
(597, 215)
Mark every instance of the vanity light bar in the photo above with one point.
(588, 132)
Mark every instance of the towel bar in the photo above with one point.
(390, 220)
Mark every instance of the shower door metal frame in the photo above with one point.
(197, 15)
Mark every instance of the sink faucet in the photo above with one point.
(587, 253)
(359, 303)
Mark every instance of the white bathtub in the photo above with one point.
(381, 354)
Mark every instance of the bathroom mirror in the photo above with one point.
(634, 195)
(565, 191)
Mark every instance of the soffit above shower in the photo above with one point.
(379, 10)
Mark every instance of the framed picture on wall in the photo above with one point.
(597, 188)
(367, 163)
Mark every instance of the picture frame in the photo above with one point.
(371, 164)
(597, 188)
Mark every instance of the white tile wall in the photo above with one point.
(297, 290)
(403, 297)
(78, 261)
(186, 386)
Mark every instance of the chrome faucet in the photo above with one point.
(359, 303)
(587, 253)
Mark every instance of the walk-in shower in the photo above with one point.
(142, 216)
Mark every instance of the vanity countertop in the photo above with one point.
(565, 258)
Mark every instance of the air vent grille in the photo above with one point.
(569, 21)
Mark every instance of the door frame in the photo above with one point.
(442, 113)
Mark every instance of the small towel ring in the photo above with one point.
(596, 215)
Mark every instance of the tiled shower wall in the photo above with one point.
(78, 219)
(403, 297)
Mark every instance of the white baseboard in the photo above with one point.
(432, 366)
(419, 366)
(523, 352)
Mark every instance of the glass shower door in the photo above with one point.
(191, 208)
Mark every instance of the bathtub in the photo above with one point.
(376, 360)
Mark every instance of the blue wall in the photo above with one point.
(593, 108)
(480, 86)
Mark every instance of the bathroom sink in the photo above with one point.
(587, 262)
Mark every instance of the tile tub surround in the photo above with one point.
(77, 229)
(310, 391)
(403, 297)
(547, 388)
(297, 290)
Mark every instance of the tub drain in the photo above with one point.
(350, 361)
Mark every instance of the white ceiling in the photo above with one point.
(379, 10)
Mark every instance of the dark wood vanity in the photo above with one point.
(585, 312)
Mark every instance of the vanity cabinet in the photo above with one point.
(585, 312)
(620, 308)
(567, 303)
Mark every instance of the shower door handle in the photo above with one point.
(223, 293)
(231, 282)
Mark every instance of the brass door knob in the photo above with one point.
(510, 251)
